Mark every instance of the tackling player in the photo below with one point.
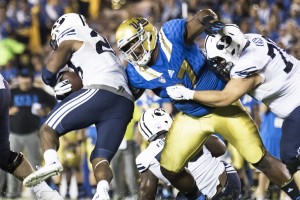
(255, 65)
(215, 179)
(105, 99)
(169, 57)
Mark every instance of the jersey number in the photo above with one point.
(185, 68)
(102, 45)
(272, 47)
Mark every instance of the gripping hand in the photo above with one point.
(211, 25)
(179, 92)
(63, 88)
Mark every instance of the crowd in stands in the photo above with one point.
(25, 27)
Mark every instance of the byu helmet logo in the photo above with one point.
(159, 112)
(224, 42)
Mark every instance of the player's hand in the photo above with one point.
(62, 88)
(179, 92)
(211, 25)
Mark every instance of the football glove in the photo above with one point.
(62, 88)
(179, 92)
(211, 25)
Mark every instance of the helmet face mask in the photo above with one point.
(136, 38)
(223, 50)
(153, 123)
(65, 25)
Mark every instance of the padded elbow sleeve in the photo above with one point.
(48, 77)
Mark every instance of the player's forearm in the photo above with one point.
(213, 98)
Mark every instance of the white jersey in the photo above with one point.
(95, 60)
(205, 170)
(280, 88)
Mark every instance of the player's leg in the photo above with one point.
(110, 132)
(243, 134)
(75, 112)
(184, 140)
(15, 163)
(11, 162)
(290, 144)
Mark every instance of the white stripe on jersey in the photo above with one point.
(166, 45)
(72, 100)
(68, 107)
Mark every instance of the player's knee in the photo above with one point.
(13, 162)
(169, 174)
(45, 129)
(293, 165)
(263, 163)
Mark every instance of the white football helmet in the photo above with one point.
(65, 26)
(153, 123)
(229, 46)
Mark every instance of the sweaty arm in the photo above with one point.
(59, 59)
(196, 25)
(233, 91)
(148, 186)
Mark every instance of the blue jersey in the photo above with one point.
(177, 63)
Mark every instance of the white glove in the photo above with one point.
(179, 92)
(62, 87)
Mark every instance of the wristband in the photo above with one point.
(48, 77)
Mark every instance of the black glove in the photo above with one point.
(211, 25)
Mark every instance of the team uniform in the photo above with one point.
(279, 89)
(204, 168)
(178, 63)
(105, 99)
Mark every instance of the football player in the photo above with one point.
(105, 99)
(254, 64)
(13, 162)
(215, 179)
(169, 57)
